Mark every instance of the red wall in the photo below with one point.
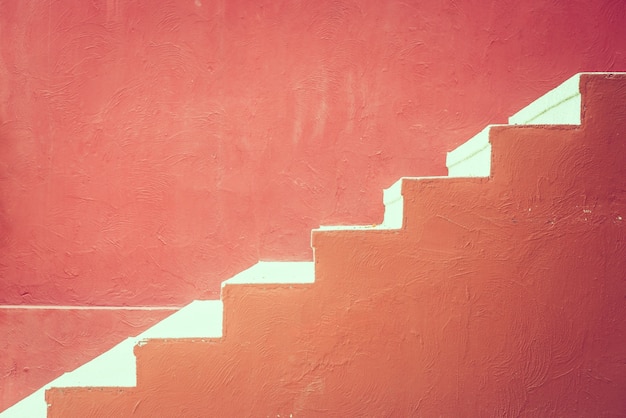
(149, 150)
(39, 345)
(499, 297)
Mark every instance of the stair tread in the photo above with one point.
(275, 272)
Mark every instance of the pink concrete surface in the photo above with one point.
(499, 297)
(149, 150)
(40, 345)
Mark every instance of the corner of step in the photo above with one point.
(559, 106)
(392, 218)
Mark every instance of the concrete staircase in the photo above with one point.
(496, 291)
(200, 319)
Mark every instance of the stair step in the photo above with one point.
(117, 367)
(472, 158)
(560, 106)
(275, 272)
(451, 254)
(392, 199)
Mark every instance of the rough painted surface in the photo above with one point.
(36, 345)
(149, 150)
(500, 296)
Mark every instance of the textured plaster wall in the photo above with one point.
(149, 150)
(38, 345)
(499, 297)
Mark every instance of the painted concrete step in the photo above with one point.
(465, 270)
(117, 367)
(274, 272)
(392, 218)
(560, 106)
(45, 341)
(246, 297)
(414, 198)
(533, 159)
(187, 324)
(394, 201)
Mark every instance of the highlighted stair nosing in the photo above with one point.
(275, 272)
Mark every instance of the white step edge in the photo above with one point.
(117, 367)
(394, 206)
(275, 272)
(560, 106)
(392, 218)
(394, 209)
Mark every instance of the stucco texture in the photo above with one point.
(499, 297)
(150, 150)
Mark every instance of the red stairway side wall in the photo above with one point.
(500, 297)
(38, 345)
(149, 150)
